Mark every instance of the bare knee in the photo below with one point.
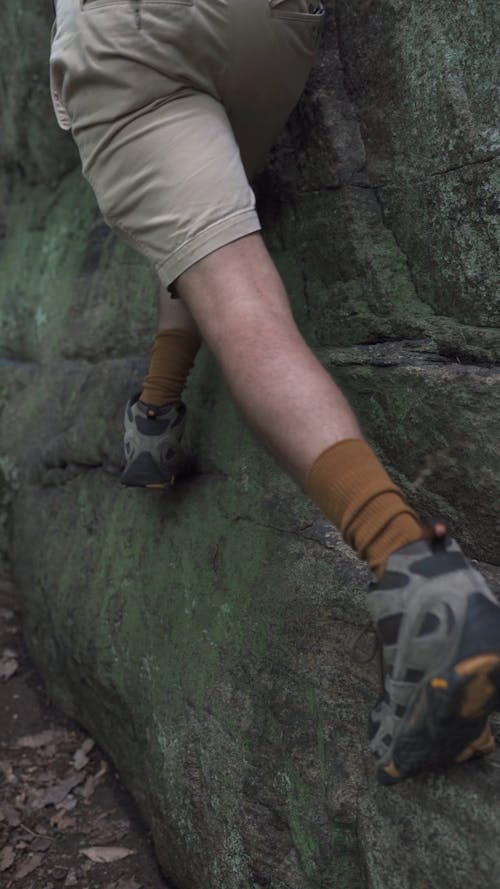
(236, 294)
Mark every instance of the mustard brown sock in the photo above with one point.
(172, 357)
(352, 488)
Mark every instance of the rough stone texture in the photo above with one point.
(204, 637)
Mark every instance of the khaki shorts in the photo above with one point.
(173, 104)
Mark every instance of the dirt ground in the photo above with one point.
(65, 819)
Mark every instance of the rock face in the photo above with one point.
(204, 637)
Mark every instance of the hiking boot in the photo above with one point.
(153, 445)
(439, 625)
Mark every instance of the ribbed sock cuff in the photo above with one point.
(352, 488)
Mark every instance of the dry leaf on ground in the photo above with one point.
(62, 821)
(71, 879)
(11, 816)
(80, 758)
(56, 794)
(30, 863)
(8, 772)
(93, 780)
(110, 832)
(69, 803)
(20, 798)
(7, 857)
(106, 854)
(39, 740)
(8, 666)
(126, 883)
(41, 844)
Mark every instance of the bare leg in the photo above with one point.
(241, 308)
(239, 304)
(174, 315)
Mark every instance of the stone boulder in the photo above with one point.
(205, 637)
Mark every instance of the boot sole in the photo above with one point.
(144, 473)
(447, 723)
(162, 487)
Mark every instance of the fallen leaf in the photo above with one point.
(8, 666)
(30, 863)
(93, 780)
(71, 879)
(40, 740)
(110, 833)
(8, 772)
(126, 883)
(80, 759)
(9, 652)
(68, 803)
(62, 821)
(88, 745)
(46, 777)
(41, 844)
(56, 794)
(10, 815)
(105, 854)
(7, 857)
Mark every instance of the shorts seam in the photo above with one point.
(204, 237)
(142, 247)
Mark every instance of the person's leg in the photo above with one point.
(288, 399)
(155, 449)
(435, 616)
(174, 351)
(173, 314)
(240, 305)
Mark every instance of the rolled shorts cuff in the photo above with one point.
(217, 235)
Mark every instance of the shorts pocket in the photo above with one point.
(300, 20)
(55, 74)
(309, 13)
(134, 4)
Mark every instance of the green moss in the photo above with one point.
(301, 803)
(448, 226)
(347, 869)
(43, 249)
(335, 863)
(356, 285)
(31, 141)
(145, 581)
(69, 287)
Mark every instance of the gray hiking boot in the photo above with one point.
(439, 625)
(153, 445)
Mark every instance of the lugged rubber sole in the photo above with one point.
(163, 486)
(448, 723)
(144, 473)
